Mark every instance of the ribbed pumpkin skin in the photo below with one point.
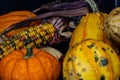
(90, 26)
(91, 60)
(41, 66)
(14, 17)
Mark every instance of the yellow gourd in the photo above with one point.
(91, 60)
(90, 26)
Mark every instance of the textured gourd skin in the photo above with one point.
(91, 60)
(112, 26)
(90, 26)
(41, 66)
(53, 51)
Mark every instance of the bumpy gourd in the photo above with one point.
(91, 60)
(112, 26)
(90, 26)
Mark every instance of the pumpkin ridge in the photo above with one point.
(13, 68)
(18, 54)
(7, 63)
(27, 59)
(3, 66)
(15, 72)
(41, 65)
(27, 71)
(2, 70)
(53, 60)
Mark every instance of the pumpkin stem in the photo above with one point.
(93, 5)
(29, 52)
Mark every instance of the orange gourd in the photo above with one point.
(35, 64)
(16, 13)
(14, 17)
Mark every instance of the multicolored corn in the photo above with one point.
(36, 36)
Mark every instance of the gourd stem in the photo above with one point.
(93, 5)
(29, 52)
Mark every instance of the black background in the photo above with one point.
(11, 5)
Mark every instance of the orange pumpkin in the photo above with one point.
(14, 17)
(34, 64)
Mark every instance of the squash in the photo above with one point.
(90, 26)
(112, 26)
(29, 64)
(16, 13)
(91, 60)
(53, 51)
(14, 17)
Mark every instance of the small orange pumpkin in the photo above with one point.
(36, 64)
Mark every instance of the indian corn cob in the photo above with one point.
(35, 36)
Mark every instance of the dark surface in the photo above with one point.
(11, 5)
(106, 5)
